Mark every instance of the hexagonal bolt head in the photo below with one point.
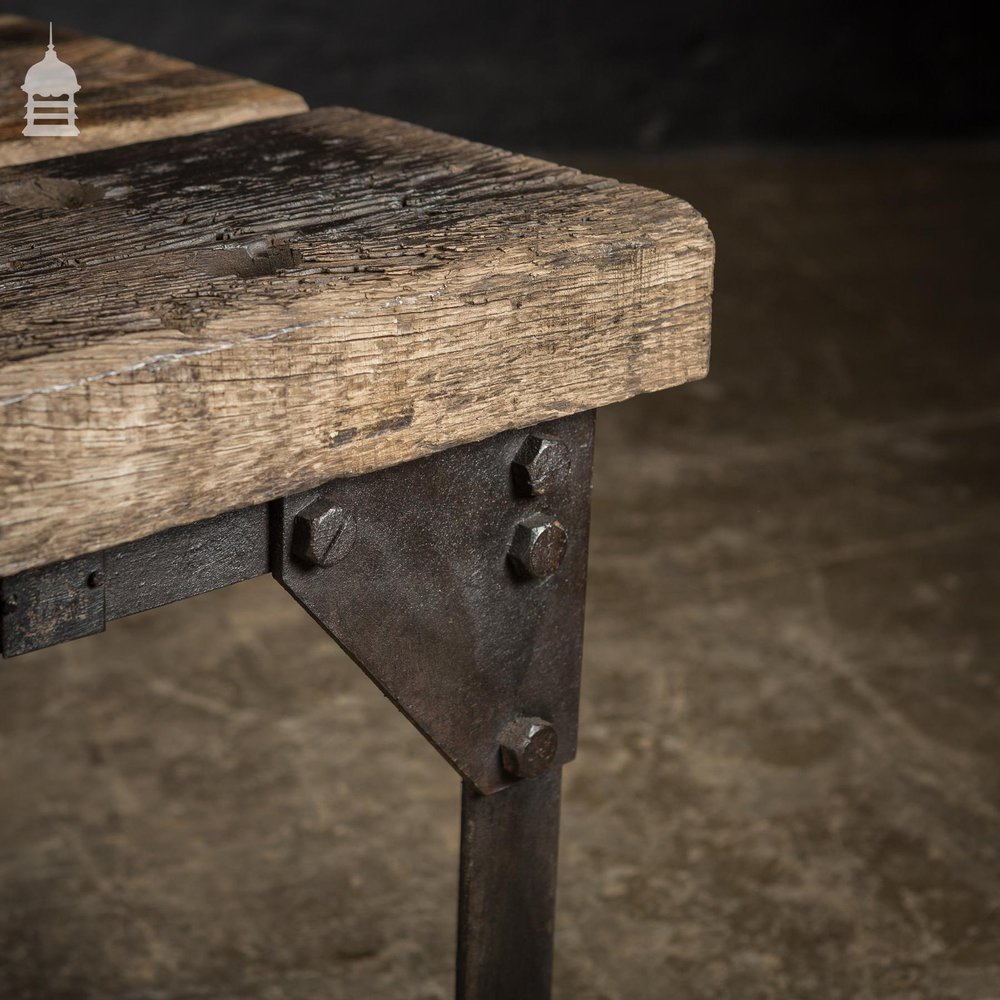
(538, 547)
(540, 464)
(322, 533)
(528, 747)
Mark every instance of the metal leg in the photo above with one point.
(507, 888)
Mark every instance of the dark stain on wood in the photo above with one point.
(255, 259)
(49, 193)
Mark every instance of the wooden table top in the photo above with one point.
(206, 322)
(127, 94)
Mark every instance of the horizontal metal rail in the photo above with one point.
(66, 600)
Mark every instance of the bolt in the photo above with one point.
(322, 533)
(538, 547)
(96, 579)
(540, 464)
(528, 747)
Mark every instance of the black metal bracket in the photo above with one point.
(459, 591)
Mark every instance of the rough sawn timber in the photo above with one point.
(207, 322)
(128, 94)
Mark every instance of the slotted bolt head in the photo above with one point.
(538, 547)
(541, 463)
(528, 747)
(322, 533)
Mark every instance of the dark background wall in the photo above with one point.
(580, 73)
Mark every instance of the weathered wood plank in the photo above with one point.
(228, 317)
(129, 94)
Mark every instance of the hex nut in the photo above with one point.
(322, 533)
(528, 747)
(540, 464)
(537, 547)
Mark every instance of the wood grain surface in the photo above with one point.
(128, 94)
(206, 322)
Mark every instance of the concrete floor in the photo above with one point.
(789, 775)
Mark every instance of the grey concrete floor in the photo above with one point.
(789, 775)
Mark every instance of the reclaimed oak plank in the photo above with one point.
(211, 321)
(129, 94)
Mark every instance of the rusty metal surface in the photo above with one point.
(507, 889)
(537, 547)
(52, 604)
(428, 603)
(528, 747)
(183, 562)
(71, 599)
(540, 464)
(322, 534)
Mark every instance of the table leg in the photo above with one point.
(507, 887)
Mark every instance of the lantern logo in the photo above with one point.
(51, 78)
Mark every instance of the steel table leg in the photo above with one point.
(507, 888)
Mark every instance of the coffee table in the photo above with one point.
(365, 358)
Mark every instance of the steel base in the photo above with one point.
(457, 583)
